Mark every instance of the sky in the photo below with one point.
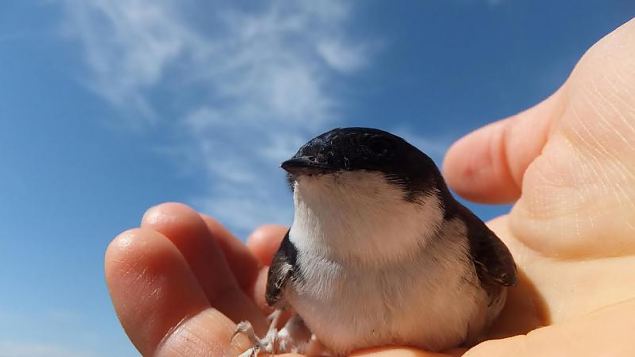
(110, 107)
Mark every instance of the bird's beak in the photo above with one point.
(303, 165)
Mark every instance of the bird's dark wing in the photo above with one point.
(492, 260)
(283, 268)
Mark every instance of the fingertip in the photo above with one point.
(128, 248)
(164, 215)
(488, 165)
(265, 241)
(115, 249)
(120, 243)
(475, 166)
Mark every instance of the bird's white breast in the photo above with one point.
(378, 274)
(360, 216)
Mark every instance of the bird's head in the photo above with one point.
(357, 189)
(346, 154)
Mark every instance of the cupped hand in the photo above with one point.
(569, 163)
(180, 281)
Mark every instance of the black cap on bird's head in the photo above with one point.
(353, 149)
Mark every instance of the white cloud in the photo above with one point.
(249, 86)
(253, 84)
(341, 58)
(127, 45)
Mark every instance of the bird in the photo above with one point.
(379, 253)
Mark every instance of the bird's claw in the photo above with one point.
(266, 344)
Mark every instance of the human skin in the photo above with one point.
(180, 281)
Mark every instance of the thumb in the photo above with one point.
(488, 164)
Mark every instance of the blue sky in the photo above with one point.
(109, 107)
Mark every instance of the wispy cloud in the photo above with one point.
(249, 85)
(341, 58)
(127, 45)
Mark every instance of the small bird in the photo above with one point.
(380, 253)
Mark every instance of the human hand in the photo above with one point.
(180, 280)
(570, 164)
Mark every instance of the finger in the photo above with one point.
(488, 165)
(265, 241)
(244, 265)
(248, 270)
(156, 296)
(202, 252)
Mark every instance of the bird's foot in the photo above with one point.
(259, 345)
(266, 344)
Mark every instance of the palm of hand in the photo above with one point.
(179, 281)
